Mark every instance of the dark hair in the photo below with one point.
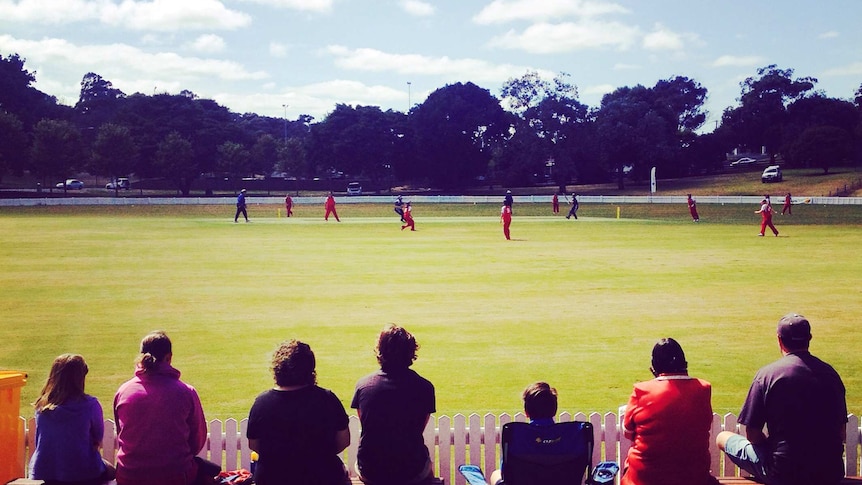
(668, 357)
(540, 401)
(293, 364)
(155, 347)
(396, 348)
(65, 382)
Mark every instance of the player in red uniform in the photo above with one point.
(692, 208)
(555, 204)
(766, 217)
(788, 204)
(408, 218)
(288, 205)
(330, 208)
(506, 219)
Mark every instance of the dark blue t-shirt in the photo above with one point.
(393, 407)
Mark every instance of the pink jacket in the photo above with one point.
(160, 425)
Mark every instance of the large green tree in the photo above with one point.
(759, 119)
(114, 152)
(456, 130)
(57, 151)
(550, 131)
(13, 144)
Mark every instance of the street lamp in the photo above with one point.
(409, 104)
(285, 122)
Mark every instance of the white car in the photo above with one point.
(742, 162)
(120, 183)
(70, 184)
(772, 173)
(354, 188)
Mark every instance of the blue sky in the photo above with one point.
(259, 55)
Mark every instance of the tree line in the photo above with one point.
(535, 131)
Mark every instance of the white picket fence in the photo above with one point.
(455, 441)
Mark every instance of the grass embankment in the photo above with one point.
(576, 303)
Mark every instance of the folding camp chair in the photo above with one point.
(556, 454)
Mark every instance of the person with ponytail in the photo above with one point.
(160, 420)
(69, 428)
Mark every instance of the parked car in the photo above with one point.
(354, 188)
(771, 173)
(743, 162)
(120, 183)
(71, 184)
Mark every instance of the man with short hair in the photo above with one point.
(801, 401)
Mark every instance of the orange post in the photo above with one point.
(11, 426)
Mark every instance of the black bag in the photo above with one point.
(207, 472)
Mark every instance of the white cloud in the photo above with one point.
(319, 6)
(128, 68)
(277, 49)
(155, 15)
(475, 70)
(598, 90)
(546, 38)
(209, 43)
(829, 35)
(317, 99)
(503, 11)
(625, 67)
(852, 69)
(417, 8)
(662, 39)
(49, 11)
(737, 61)
(169, 15)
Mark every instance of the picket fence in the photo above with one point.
(454, 441)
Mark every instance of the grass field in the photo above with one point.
(576, 303)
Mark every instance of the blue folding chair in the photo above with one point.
(556, 454)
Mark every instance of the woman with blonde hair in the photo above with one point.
(69, 428)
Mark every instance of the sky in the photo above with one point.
(291, 57)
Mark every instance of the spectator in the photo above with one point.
(298, 428)
(540, 406)
(668, 420)
(160, 422)
(801, 401)
(69, 428)
(394, 405)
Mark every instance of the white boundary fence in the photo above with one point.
(454, 441)
(424, 199)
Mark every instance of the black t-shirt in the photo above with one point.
(393, 407)
(297, 432)
(801, 400)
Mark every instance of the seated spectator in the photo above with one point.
(160, 421)
(801, 401)
(668, 420)
(540, 406)
(394, 405)
(298, 428)
(69, 428)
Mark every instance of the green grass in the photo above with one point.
(576, 303)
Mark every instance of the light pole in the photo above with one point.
(285, 122)
(409, 104)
